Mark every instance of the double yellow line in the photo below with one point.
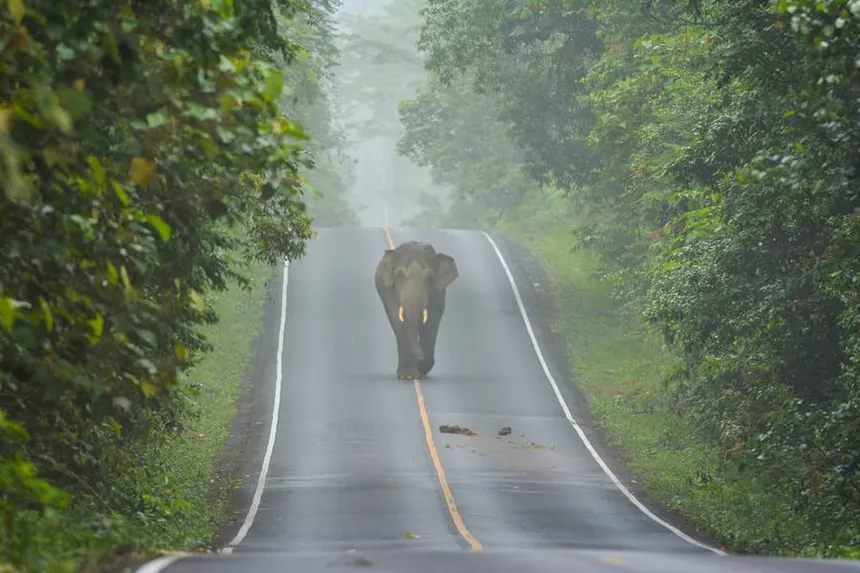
(434, 455)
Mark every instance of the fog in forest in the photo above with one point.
(380, 65)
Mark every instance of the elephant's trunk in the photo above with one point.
(416, 348)
(412, 315)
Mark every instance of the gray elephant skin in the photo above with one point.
(412, 280)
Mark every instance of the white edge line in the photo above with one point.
(574, 423)
(158, 565)
(273, 428)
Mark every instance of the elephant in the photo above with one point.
(412, 281)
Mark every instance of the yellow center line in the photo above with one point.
(434, 455)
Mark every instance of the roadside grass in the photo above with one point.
(191, 458)
(164, 496)
(620, 365)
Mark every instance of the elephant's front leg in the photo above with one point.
(427, 336)
(402, 354)
(407, 365)
(405, 360)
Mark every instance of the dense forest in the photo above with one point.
(152, 154)
(688, 168)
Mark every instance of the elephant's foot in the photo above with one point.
(407, 375)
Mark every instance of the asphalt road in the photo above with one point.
(352, 472)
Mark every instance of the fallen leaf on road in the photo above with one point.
(412, 536)
(505, 431)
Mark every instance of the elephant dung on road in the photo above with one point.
(411, 281)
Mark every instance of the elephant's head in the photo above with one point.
(416, 270)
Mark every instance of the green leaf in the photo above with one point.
(113, 275)
(121, 194)
(8, 313)
(97, 325)
(147, 336)
(123, 274)
(201, 112)
(17, 186)
(226, 135)
(223, 7)
(162, 228)
(196, 301)
(16, 9)
(48, 315)
(274, 85)
(313, 191)
(148, 388)
(77, 102)
(61, 118)
(158, 118)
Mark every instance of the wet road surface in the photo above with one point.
(358, 468)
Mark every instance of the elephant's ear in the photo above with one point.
(447, 272)
(429, 254)
(386, 268)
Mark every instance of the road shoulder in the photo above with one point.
(241, 457)
(537, 292)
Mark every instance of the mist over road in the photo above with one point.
(384, 186)
(351, 467)
(358, 463)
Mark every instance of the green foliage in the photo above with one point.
(707, 151)
(141, 143)
(474, 154)
(527, 57)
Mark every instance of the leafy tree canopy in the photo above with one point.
(709, 146)
(143, 146)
